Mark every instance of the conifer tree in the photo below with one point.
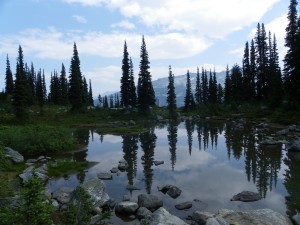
(44, 87)
(220, 94)
(236, 83)
(91, 100)
(252, 70)
(133, 97)
(146, 95)
(20, 94)
(227, 89)
(100, 100)
(198, 88)
(63, 86)
(75, 82)
(39, 89)
(9, 82)
(171, 95)
(31, 78)
(247, 92)
(291, 60)
(125, 79)
(204, 82)
(85, 92)
(189, 103)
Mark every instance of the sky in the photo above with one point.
(185, 34)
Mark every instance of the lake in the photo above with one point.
(210, 161)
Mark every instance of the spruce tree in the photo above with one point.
(133, 97)
(236, 83)
(220, 94)
(39, 89)
(31, 78)
(252, 71)
(247, 93)
(85, 92)
(198, 88)
(90, 98)
(75, 82)
(63, 86)
(146, 95)
(291, 60)
(125, 79)
(171, 95)
(227, 89)
(189, 103)
(9, 82)
(204, 82)
(20, 94)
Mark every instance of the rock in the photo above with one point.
(216, 221)
(126, 207)
(96, 190)
(114, 170)
(294, 145)
(109, 204)
(157, 163)
(151, 202)
(104, 176)
(269, 141)
(164, 189)
(201, 217)
(95, 220)
(63, 195)
(162, 217)
(126, 198)
(184, 205)
(14, 156)
(143, 213)
(296, 219)
(254, 217)
(48, 193)
(132, 187)
(39, 172)
(132, 122)
(174, 192)
(246, 196)
(123, 165)
(31, 161)
(55, 204)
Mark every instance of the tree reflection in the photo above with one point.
(189, 126)
(148, 142)
(130, 148)
(291, 182)
(172, 139)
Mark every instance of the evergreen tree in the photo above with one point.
(90, 98)
(198, 88)
(247, 89)
(54, 94)
(20, 94)
(75, 82)
(63, 86)
(146, 95)
(85, 92)
(100, 100)
(204, 82)
(111, 101)
(133, 97)
(125, 79)
(189, 103)
(220, 94)
(210, 88)
(31, 78)
(291, 60)
(117, 102)
(252, 70)
(44, 87)
(227, 89)
(171, 95)
(236, 83)
(105, 102)
(9, 82)
(39, 89)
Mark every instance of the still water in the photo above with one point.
(210, 161)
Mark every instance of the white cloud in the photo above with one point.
(80, 19)
(124, 24)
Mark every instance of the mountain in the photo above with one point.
(160, 87)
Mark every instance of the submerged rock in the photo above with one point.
(184, 205)
(174, 192)
(104, 176)
(126, 207)
(246, 196)
(151, 202)
(157, 163)
(201, 217)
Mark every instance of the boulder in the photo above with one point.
(174, 192)
(294, 145)
(63, 195)
(296, 219)
(151, 202)
(184, 205)
(246, 196)
(162, 217)
(253, 217)
(164, 189)
(104, 176)
(14, 156)
(109, 204)
(216, 221)
(143, 213)
(127, 208)
(39, 172)
(157, 163)
(123, 165)
(201, 217)
(96, 190)
(114, 170)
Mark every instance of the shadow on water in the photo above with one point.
(209, 160)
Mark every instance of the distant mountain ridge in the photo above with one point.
(160, 87)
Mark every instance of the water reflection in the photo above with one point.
(148, 143)
(172, 139)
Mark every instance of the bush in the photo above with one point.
(36, 140)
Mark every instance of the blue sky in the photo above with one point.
(181, 33)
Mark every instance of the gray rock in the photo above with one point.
(114, 170)
(270, 141)
(216, 221)
(48, 193)
(174, 192)
(110, 204)
(151, 202)
(132, 187)
(104, 176)
(296, 219)
(184, 205)
(126, 207)
(31, 161)
(254, 217)
(95, 219)
(63, 195)
(294, 145)
(39, 172)
(164, 189)
(246, 196)
(201, 217)
(96, 190)
(162, 217)
(14, 156)
(55, 204)
(123, 165)
(143, 213)
(157, 163)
